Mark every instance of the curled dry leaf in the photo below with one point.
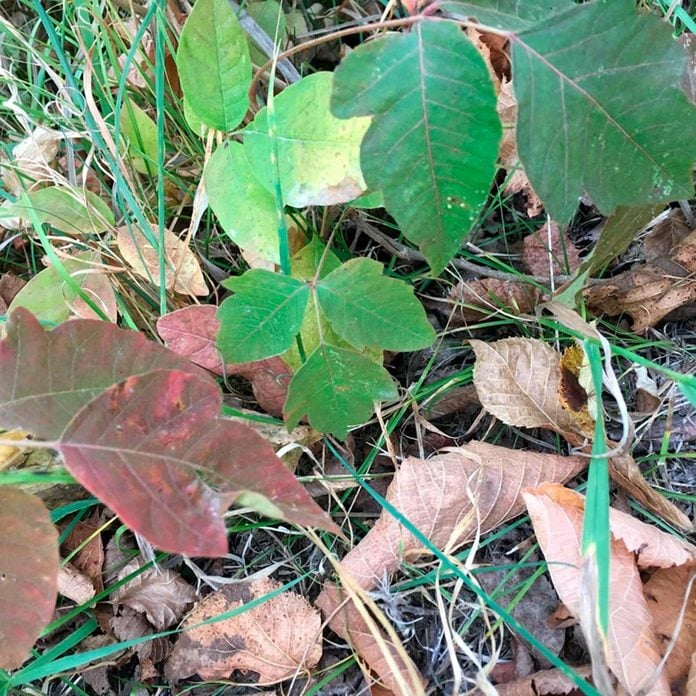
(547, 252)
(550, 682)
(518, 380)
(276, 639)
(667, 234)
(31, 160)
(477, 298)
(183, 272)
(633, 651)
(74, 585)
(517, 181)
(467, 489)
(667, 591)
(28, 573)
(159, 593)
(191, 332)
(85, 540)
(648, 293)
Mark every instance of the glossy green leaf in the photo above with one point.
(367, 308)
(318, 154)
(313, 257)
(336, 389)
(268, 14)
(511, 15)
(70, 211)
(601, 110)
(28, 573)
(214, 64)
(245, 209)
(433, 143)
(140, 133)
(263, 317)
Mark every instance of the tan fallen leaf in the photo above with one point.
(468, 489)
(547, 252)
(633, 653)
(84, 539)
(517, 181)
(648, 292)
(9, 454)
(345, 620)
(668, 233)
(550, 682)
(627, 474)
(161, 594)
(691, 683)
(667, 591)
(276, 640)
(517, 380)
(31, 160)
(98, 288)
(74, 585)
(478, 298)
(183, 272)
(10, 285)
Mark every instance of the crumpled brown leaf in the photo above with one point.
(89, 559)
(633, 650)
(486, 296)
(648, 292)
(517, 380)
(455, 494)
(276, 639)
(191, 331)
(517, 182)
(546, 252)
(31, 160)
(161, 594)
(183, 271)
(74, 585)
(550, 682)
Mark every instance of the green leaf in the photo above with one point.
(305, 263)
(263, 317)
(214, 64)
(318, 154)
(71, 211)
(511, 15)
(433, 143)
(245, 209)
(601, 110)
(367, 308)
(265, 14)
(336, 389)
(140, 132)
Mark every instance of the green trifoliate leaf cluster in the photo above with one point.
(356, 309)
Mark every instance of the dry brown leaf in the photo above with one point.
(98, 288)
(625, 472)
(550, 682)
(345, 620)
(489, 295)
(517, 380)
(691, 683)
(183, 273)
(665, 592)
(276, 639)
(90, 558)
(476, 486)
(31, 160)
(74, 585)
(667, 234)
(10, 285)
(548, 253)
(633, 651)
(648, 292)
(517, 181)
(161, 594)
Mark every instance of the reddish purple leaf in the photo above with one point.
(46, 377)
(138, 445)
(28, 573)
(192, 331)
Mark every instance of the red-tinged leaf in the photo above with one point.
(138, 445)
(28, 573)
(46, 377)
(192, 331)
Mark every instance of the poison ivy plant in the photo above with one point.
(214, 64)
(338, 384)
(433, 142)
